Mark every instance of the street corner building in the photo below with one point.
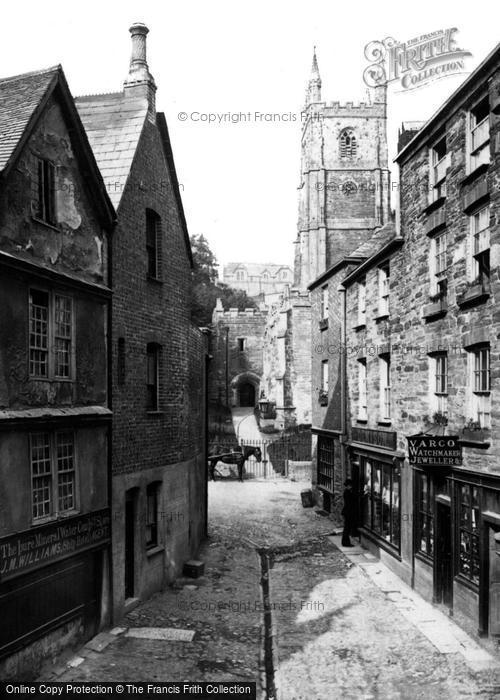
(55, 236)
(159, 357)
(94, 315)
(407, 328)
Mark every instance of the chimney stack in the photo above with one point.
(140, 82)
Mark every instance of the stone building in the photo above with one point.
(55, 240)
(237, 350)
(159, 358)
(257, 279)
(343, 200)
(419, 341)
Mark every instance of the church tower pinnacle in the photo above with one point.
(313, 93)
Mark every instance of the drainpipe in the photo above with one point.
(227, 366)
(343, 393)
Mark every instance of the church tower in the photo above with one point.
(344, 183)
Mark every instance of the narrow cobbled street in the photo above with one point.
(334, 625)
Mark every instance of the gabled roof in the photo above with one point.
(22, 101)
(384, 241)
(114, 124)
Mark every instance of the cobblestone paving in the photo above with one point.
(336, 635)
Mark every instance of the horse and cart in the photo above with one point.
(238, 456)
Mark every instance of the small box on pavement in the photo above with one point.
(307, 498)
(194, 568)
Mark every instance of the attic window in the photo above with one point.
(43, 191)
(348, 144)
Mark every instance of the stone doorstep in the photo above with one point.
(167, 634)
(100, 641)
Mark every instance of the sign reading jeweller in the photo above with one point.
(435, 450)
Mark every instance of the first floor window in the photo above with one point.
(53, 474)
(468, 516)
(385, 386)
(50, 335)
(440, 383)
(481, 385)
(362, 401)
(425, 513)
(380, 506)
(152, 515)
(152, 378)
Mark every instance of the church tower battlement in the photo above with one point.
(344, 189)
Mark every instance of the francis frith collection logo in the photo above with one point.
(416, 62)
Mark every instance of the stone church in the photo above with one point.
(343, 198)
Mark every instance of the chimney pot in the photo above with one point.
(140, 82)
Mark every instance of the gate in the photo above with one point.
(277, 451)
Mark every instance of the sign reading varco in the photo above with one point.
(435, 451)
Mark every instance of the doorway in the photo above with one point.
(493, 579)
(247, 395)
(129, 544)
(443, 586)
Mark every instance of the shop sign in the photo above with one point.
(47, 544)
(435, 450)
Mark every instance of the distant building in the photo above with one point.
(237, 365)
(257, 279)
(55, 249)
(158, 373)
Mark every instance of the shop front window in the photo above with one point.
(468, 531)
(380, 507)
(425, 514)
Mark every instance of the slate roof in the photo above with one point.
(20, 97)
(113, 124)
(380, 238)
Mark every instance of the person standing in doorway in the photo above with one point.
(348, 511)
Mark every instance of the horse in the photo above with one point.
(236, 457)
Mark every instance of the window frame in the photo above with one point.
(43, 191)
(373, 500)
(480, 260)
(362, 302)
(348, 144)
(384, 283)
(54, 489)
(439, 382)
(153, 350)
(469, 526)
(425, 524)
(439, 160)
(478, 155)
(385, 387)
(152, 492)
(51, 334)
(324, 303)
(362, 389)
(324, 376)
(479, 373)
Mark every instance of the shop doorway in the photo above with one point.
(493, 579)
(443, 579)
(129, 543)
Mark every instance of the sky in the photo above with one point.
(239, 179)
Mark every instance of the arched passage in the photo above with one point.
(245, 389)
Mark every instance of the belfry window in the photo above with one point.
(348, 144)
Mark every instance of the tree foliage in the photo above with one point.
(205, 287)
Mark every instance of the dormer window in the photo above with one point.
(348, 144)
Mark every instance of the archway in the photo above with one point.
(246, 395)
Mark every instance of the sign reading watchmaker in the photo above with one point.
(435, 450)
(44, 545)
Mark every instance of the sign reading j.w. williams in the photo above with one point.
(434, 450)
(46, 544)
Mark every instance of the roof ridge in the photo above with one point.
(30, 74)
(89, 96)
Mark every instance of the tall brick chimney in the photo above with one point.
(140, 82)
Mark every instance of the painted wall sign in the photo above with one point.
(435, 450)
(378, 438)
(47, 544)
